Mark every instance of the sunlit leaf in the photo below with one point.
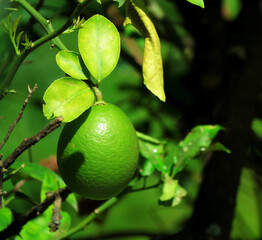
(39, 173)
(153, 153)
(152, 60)
(70, 62)
(67, 97)
(99, 46)
(71, 199)
(32, 170)
(147, 168)
(199, 3)
(172, 192)
(198, 139)
(5, 218)
(49, 184)
(39, 227)
(120, 2)
(169, 190)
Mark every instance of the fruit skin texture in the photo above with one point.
(98, 152)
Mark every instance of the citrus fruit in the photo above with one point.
(98, 152)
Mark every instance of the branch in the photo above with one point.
(16, 188)
(46, 24)
(30, 22)
(28, 142)
(19, 59)
(12, 126)
(1, 180)
(20, 220)
(56, 216)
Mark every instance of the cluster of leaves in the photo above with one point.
(99, 46)
(158, 157)
(10, 27)
(33, 173)
(98, 58)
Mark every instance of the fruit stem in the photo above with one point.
(96, 90)
(98, 93)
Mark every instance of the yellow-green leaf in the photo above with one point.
(199, 3)
(67, 97)
(70, 62)
(99, 46)
(152, 60)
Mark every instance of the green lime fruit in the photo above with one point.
(98, 152)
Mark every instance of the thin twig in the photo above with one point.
(19, 59)
(56, 216)
(147, 188)
(1, 181)
(20, 220)
(28, 142)
(46, 24)
(16, 188)
(12, 126)
(13, 172)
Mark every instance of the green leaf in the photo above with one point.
(71, 63)
(99, 46)
(231, 9)
(38, 172)
(67, 97)
(199, 3)
(71, 199)
(168, 191)
(10, 25)
(256, 126)
(33, 170)
(153, 153)
(120, 2)
(172, 192)
(247, 220)
(15, 26)
(147, 168)
(39, 227)
(5, 218)
(152, 60)
(18, 38)
(49, 184)
(218, 147)
(198, 140)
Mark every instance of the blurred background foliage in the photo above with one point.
(138, 213)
